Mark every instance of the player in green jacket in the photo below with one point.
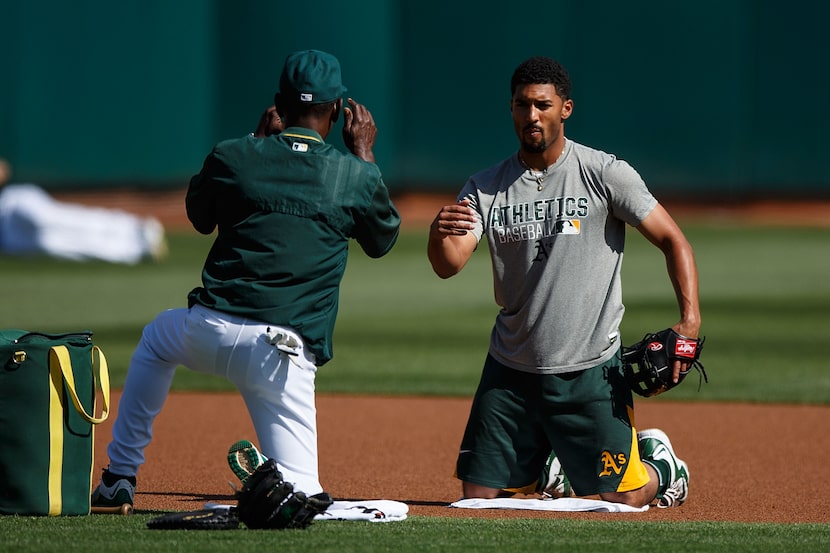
(284, 205)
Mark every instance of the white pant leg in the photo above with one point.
(35, 223)
(149, 376)
(277, 386)
(280, 397)
(82, 233)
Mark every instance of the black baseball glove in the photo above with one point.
(203, 519)
(267, 501)
(647, 365)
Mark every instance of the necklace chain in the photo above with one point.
(539, 176)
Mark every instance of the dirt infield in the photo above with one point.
(748, 463)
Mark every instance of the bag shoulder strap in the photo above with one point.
(60, 356)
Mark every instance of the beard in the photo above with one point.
(534, 147)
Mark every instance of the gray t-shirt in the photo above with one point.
(557, 255)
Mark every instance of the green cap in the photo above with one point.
(311, 77)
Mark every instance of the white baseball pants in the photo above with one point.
(269, 365)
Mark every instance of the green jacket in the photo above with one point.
(285, 208)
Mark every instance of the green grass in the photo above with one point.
(765, 296)
(114, 534)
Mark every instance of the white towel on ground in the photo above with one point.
(373, 510)
(562, 504)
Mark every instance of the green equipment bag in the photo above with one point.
(49, 390)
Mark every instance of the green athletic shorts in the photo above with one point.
(586, 417)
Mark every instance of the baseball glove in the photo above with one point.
(203, 519)
(647, 365)
(267, 501)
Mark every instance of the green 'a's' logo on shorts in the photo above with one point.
(612, 464)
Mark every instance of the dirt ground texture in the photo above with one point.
(747, 462)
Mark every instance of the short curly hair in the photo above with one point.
(542, 70)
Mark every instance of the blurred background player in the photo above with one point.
(34, 223)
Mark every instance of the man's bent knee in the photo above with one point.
(475, 491)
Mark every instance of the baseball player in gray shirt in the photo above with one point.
(554, 217)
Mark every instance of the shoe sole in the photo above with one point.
(243, 459)
(553, 485)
